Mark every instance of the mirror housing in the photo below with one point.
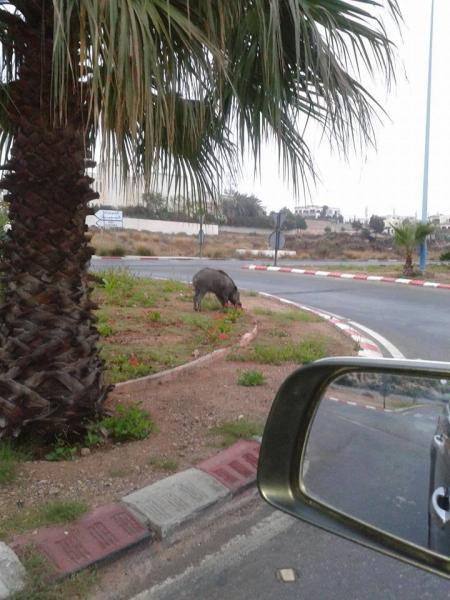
(283, 451)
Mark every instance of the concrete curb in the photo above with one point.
(356, 276)
(138, 257)
(153, 512)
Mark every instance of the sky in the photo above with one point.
(388, 179)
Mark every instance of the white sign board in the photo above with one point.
(109, 219)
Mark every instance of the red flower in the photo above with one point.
(223, 336)
(133, 361)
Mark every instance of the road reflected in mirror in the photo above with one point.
(379, 451)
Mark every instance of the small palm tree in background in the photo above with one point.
(409, 236)
(183, 87)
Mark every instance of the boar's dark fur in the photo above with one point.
(217, 282)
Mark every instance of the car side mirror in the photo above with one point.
(361, 448)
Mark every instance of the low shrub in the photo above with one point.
(251, 378)
(129, 423)
(445, 255)
(144, 251)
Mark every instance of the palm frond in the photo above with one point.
(189, 86)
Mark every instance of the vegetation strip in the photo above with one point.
(246, 339)
(357, 276)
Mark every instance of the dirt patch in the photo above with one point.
(185, 410)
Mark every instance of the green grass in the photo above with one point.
(230, 432)
(251, 378)
(299, 316)
(163, 464)
(304, 352)
(198, 321)
(10, 457)
(171, 286)
(210, 302)
(264, 312)
(105, 330)
(129, 365)
(128, 423)
(280, 333)
(50, 513)
(39, 584)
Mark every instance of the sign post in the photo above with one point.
(276, 238)
(201, 236)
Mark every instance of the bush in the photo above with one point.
(144, 251)
(129, 423)
(445, 255)
(251, 378)
(114, 251)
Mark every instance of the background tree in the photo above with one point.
(376, 224)
(324, 212)
(408, 236)
(356, 225)
(183, 88)
(292, 220)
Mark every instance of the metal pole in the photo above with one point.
(201, 235)
(423, 244)
(277, 238)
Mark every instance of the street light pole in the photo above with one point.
(423, 244)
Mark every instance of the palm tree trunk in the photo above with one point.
(408, 269)
(50, 371)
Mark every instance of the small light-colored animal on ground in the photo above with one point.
(217, 282)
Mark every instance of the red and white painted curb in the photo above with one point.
(357, 276)
(136, 257)
(367, 347)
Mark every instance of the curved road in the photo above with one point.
(238, 559)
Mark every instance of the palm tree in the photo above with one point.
(174, 85)
(409, 236)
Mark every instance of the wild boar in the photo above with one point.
(217, 282)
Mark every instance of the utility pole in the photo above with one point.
(423, 244)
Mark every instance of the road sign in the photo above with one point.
(279, 218)
(109, 219)
(273, 240)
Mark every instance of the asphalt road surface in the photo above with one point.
(239, 561)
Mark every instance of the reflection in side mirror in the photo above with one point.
(379, 451)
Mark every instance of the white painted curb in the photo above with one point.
(357, 276)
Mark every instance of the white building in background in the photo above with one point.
(391, 221)
(439, 220)
(314, 211)
(117, 192)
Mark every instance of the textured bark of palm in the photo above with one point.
(50, 371)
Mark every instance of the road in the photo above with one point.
(389, 484)
(239, 560)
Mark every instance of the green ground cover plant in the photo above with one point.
(251, 378)
(48, 513)
(230, 432)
